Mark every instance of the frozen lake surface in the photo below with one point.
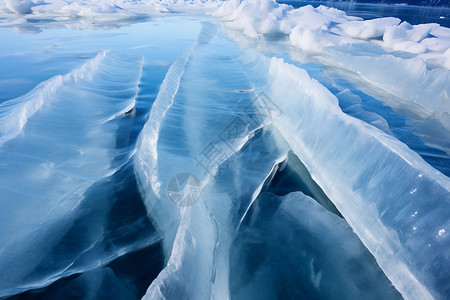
(259, 152)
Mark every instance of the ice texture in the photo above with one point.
(248, 112)
(53, 163)
(410, 63)
(403, 223)
(369, 29)
(15, 113)
(413, 86)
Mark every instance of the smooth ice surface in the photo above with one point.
(305, 258)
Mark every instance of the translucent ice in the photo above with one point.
(398, 221)
(226, 123)
(197, 102)
(15, 113)
(59, 143)
(189, 119)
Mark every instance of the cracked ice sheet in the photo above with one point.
(203, 94)
(194, 106)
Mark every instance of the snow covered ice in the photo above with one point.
(222, 150)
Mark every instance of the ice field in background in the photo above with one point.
(215, 150)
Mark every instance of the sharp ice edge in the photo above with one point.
(199, 250)
(85, 161)
(15, 113)
(201, 244)
(389, 216)
(423, 134)
(147, 144)
(258, 190)
(146, 159)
